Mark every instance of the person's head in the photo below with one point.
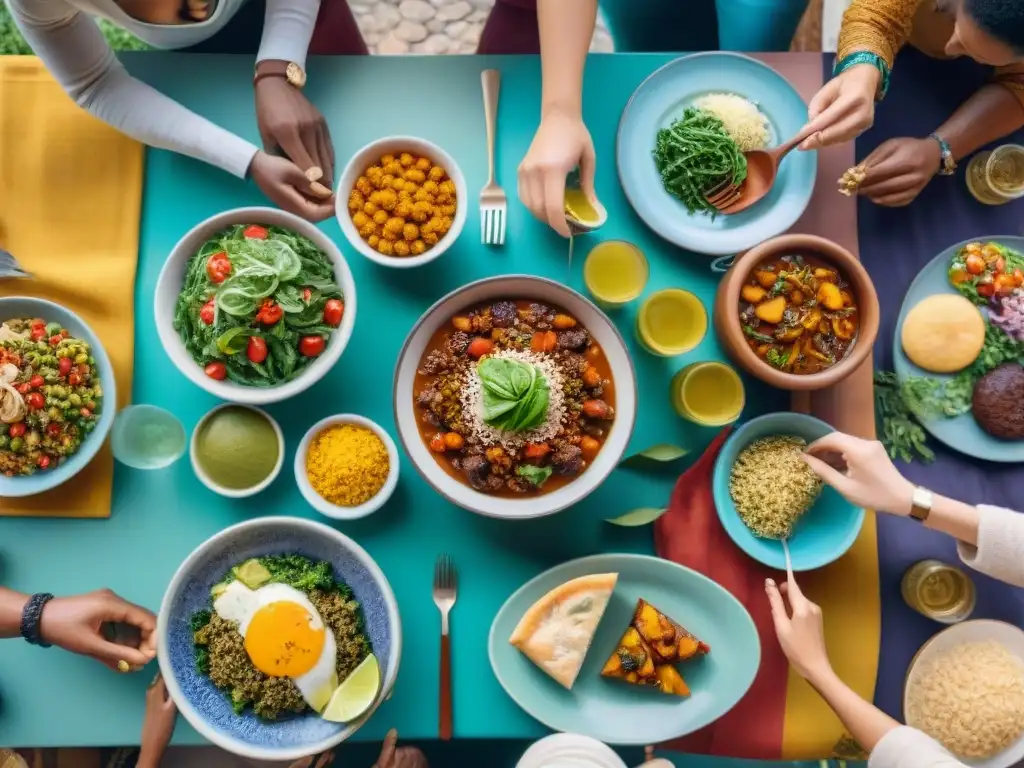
(989, 31)
(167, 11)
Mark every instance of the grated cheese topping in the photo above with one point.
(744, 122)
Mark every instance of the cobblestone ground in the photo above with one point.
(433, 26)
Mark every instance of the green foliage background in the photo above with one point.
(12, 43)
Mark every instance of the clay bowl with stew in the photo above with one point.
(482, 357)
(807, 327)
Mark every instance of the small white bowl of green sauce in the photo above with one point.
(237, 450)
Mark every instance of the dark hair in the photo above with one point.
(1003, 19)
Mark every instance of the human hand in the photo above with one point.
(402, 757)
(802, 635)
(284, 183)
(157, 725)
(561, 143)
(897, 171)
(76, 624)
(288, 121)
(844, 107)
(322, 760)
(870, 478)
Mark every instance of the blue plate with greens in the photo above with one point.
(961, 432)
(611, 710)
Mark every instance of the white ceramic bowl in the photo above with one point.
(369, 155)
(168, 287)
(978, 630)
(236, 493)
(322, 505)
(590, 317)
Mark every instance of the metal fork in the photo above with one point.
(9, 266)
(493, 201)
(723, 194)
(445, 589)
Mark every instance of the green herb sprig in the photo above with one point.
(694, 154)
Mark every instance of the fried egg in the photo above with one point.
(285, 636)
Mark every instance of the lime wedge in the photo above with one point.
(356, 693)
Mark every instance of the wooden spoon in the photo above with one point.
(762, 170)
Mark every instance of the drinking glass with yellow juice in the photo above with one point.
(615, 273)
(671, 322)
(709, 393)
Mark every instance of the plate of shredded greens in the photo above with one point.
(911, 401)
(255, 305)
(684, 131)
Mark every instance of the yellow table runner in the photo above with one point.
(70, 200)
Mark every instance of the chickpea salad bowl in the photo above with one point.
(255, 305)
(56, 395)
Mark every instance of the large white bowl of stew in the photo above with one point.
(514, 396)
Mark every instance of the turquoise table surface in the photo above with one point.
(50, 698)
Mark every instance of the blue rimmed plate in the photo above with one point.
(961, 433)
(613, 711)
(660, 99)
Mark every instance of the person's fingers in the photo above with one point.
(826, 472)
(882, 152)
(119, 610)
(293, 145)
(326, 759)
(325, 151)
(289, 196)
(822, 99)
(112, 654)
(588, 170)
(309, 134)
(896, 185)
(554, 201)
(796, 596)
(833, 442)
(819, 126)
(779, 615)
(387, 750)
(896, 200)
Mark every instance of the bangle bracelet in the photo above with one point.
(866, 57)
(947, 163)
(31, 619)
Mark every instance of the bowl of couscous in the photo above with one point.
(402, 201)
(346, 466)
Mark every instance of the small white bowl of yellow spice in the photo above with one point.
(346, 466)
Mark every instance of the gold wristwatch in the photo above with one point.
(289, 70)
(921, 504)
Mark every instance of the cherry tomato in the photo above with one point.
(1000, 265)
(37, 381)
(307, 294)
(24, 388)
(1018, 277)
(38, 333)
(218, 267)
(74, 378)
(56, 339)
(53, 429)
(269, 312)
(85, 412)
(37, 323)
(479, 347)
(256, 350)
(17, 430)
(1004, 284)
(43, 462)
(311, 346)
(333, 310)
(986, 290)
(64, 366)
(255, 231)
(216, 370)
(207, 312)
(35, 401)
(975, 264)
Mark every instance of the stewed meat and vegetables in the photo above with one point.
(515, 397)
(798, 314)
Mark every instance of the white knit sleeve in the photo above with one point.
(73, 49)
(1000, 550)
(906, 747)
(287, 30)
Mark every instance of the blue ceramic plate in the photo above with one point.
(962, 433)
(824, 533)
(660, 99)
(23, 306)
(209, 710)
(611, 710)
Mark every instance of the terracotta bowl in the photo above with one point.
(727, 317)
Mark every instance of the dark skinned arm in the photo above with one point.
(991, 113)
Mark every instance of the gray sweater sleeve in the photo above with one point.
(906, 747)
(1000, 550)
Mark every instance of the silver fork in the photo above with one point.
(445, 589)
(9, 266)
(493, 201)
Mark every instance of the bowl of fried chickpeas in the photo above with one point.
(401, 201)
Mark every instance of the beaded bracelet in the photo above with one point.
(866, 57)
(31, 618)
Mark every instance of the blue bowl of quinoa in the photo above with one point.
(206, 661)
(764, 491)
(58, 397)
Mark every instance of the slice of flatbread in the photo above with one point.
(556, 632)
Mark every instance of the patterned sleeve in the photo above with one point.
(879, 26)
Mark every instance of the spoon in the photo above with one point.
(789, 563)
(762, 170)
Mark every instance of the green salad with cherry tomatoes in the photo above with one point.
(258, 305)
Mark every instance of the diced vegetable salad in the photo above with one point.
(258, 305)
(50, 395)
